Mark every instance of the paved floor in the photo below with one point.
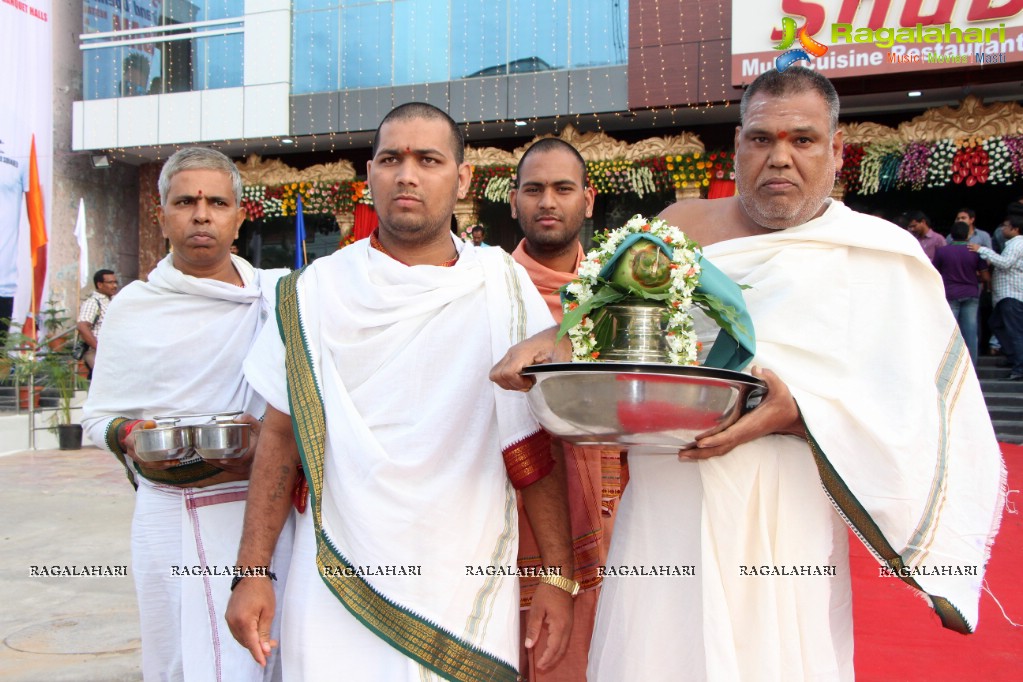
(64, 512)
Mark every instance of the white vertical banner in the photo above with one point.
(82, 237)
(26, 39)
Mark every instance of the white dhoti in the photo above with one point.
(184, 545)
(175, 346)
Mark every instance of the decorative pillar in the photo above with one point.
(466, 213)
(152, 245)
(687, 193)
(838, 191)
(346, 223)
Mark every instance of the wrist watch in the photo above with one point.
(562, 583)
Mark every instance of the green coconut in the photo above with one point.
(643, 269)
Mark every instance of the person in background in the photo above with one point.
(92, 312)
(1007, 293)
(964, 274)
(919, 226)
(478, 233)
(977, 235)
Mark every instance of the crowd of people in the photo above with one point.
(983, 278)
(400, 514)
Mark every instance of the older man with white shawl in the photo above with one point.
(874, 418)
(404, 567)
(174, 346)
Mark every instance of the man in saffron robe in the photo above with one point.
(551, 199)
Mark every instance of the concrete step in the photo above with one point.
(992, 372)
(1001, 385)
(1006, 414)
(1013, 438)
(1008, 427)
(999, 399)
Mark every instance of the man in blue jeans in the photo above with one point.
(1007, 322)
(962, 271)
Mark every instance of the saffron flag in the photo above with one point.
(37, 239)
(83, 246)
(299, 235)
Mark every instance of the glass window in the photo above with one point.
(599, 33)
(366, 45)
(401, 42)
(479, 38)
(538, 35)
(421, 42)
(178, 60)
(316, 50)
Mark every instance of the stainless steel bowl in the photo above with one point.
(163, 443)
(661, 407)
(221, 440)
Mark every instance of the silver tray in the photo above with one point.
(662, 407)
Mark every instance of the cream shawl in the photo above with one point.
(175, 346)
(401, 435)
(851, 315)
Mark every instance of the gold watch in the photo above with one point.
(562, 583)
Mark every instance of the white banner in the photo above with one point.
(843, 38)
(26, 78)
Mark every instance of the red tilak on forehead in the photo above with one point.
(408, 150)
(782, 134)
(200, 193)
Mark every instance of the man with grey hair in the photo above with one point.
(891, 439)
(173, 347)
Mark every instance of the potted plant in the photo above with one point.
(46, 363)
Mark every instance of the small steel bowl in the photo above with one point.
(661, 407)
(163, 443)
(222, 440)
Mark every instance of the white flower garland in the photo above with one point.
(679, 335)
(498, 190)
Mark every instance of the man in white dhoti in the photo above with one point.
(174, 346)
(404, 564)
(874, 417)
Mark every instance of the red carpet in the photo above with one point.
(898, 637)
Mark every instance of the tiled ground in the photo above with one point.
(66, 511)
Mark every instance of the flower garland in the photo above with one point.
(722, 165)
(852, 159)
(866, 169)
(498, 190)
(999, 157)
(688, 171)
(913, 170)
(970, 165)
(590, 291)
(940, 170)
